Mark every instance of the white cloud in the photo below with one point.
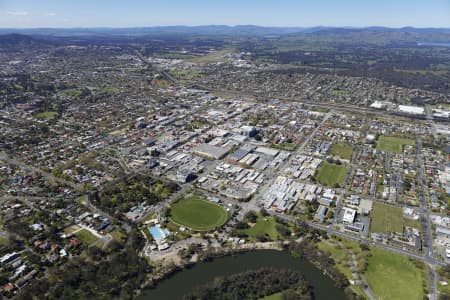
(50, 14)
(17, 13)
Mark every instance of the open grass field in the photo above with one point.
(444, 289)
(412, 223)
(69, 230)
(339, 254)
(86, 237)
(174, 55)
(4, 241)
(74, 93)
(342, 252)
(276, 296)
(119, 235)
(393, 144)
(331, 174)
(386, 218)
(285, 146)
(112, 90)
(198, 214)
(342, 150)
(442, 277)
(393, 277)
(211, 57)
(443, 282)
(46, 115)
(263, 226)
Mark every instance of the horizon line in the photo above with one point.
(232, 26)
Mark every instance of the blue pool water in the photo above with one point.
(158, 233)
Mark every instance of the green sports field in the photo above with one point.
(198, 214)
(86, 237)
(386, 218)
(393, 277)
(393, 144)
(331, 174)
(263, 226)
(342, 150)
(46, 115)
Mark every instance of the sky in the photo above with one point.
(292, 13)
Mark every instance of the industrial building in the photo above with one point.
(211, 151)
(411, 110)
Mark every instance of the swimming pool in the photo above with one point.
(157, 233)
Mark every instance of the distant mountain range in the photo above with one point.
(381, 36)
(13, 40)
(245, 30)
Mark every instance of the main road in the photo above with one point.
(13, 161)
(429, 260)
(271, 178)
(326, 105)
(428, 235)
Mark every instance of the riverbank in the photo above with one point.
(170, 262)
(180, 283)
(301, 250)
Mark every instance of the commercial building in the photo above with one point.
(267, 151)
(185, 175)
(8, 258)
(356, 227)
(249, 131)
(349, 215)
(237, 155)
(412, 110)
(321, 213)
(210, 151)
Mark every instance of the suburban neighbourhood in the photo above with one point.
(170, 155)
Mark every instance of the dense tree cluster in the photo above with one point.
(444, 272)
(119, 197)
(114, 278)
(254, 284)
(308, 250)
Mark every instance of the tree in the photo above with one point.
(3, 279)
(364, 247)
(34, 259)
(330, 214)
(251, 217)
(261, 238)
(242, 225)
(95, 253)
(283, 230)
(263, 212)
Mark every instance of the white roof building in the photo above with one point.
(377, 105)
(413, 110)
(349, 215)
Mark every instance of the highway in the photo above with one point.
(326, 105)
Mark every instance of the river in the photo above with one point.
(182, 282)
(435, 44)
